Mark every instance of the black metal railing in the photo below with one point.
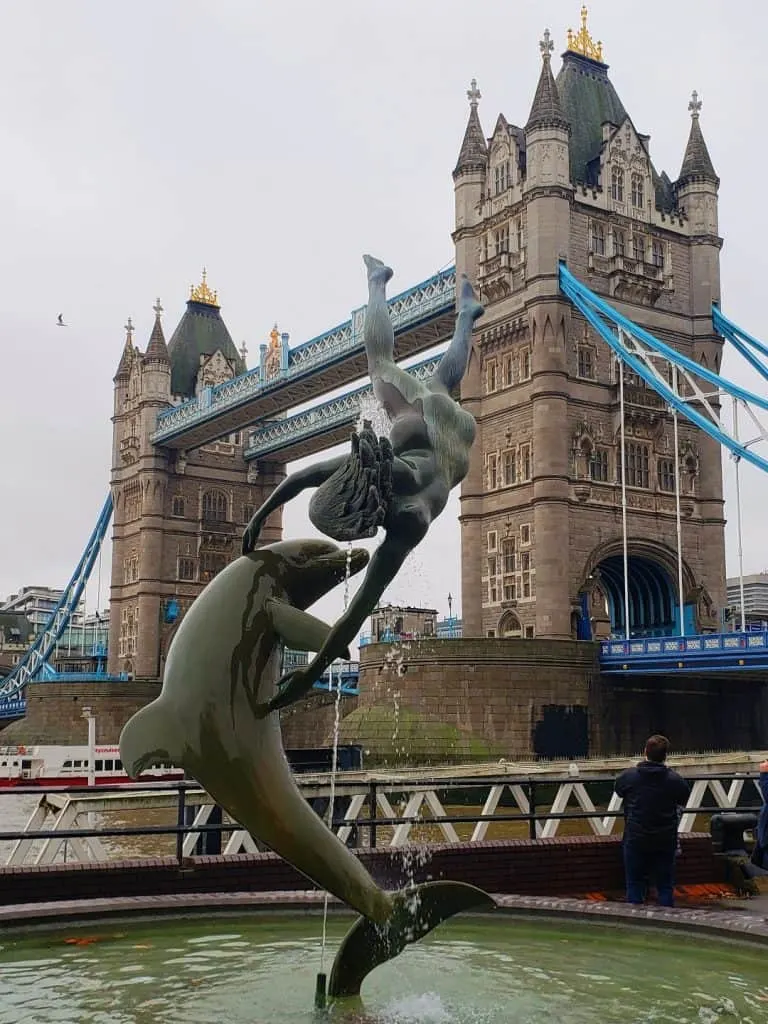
(534, 789)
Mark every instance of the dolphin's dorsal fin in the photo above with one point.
(297, 629)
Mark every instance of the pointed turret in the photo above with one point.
(696, 162)
(548, 129)
(129, 354)
(473, 154)
(546, 109)
(157, 350)
(469, 176)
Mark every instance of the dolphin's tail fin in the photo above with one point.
(416, 912)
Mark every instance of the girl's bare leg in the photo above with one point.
(453, 365)
(378, 334)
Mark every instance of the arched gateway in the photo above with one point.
(654, 606)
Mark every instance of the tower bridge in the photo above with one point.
(422, 317)
(593, 508)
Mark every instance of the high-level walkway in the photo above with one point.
(422, 316)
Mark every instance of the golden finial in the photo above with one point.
(274, 337)
(203, 293)
(581, 41)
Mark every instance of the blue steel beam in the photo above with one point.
(742, 342)
(320, 427)
(636, 347)
(38, 654)
(422, 317)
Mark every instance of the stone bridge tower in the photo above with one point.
(178, 516)
(541, 506)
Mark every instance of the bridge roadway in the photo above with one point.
(423, 317)
(316, 429)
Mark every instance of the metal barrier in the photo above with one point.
(364, 810)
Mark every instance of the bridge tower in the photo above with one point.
(178, 516)
(541, 508)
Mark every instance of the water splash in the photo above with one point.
(371, 412)
(426, 1008)
(335, 754)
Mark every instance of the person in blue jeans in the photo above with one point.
(653, 795)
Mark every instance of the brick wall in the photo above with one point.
(552, 867)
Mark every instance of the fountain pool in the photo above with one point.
(495, 970)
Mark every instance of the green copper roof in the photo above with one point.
(201, 331)
(588, 99)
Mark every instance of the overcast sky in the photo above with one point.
(275, 143)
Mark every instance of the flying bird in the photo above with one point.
(60, 320)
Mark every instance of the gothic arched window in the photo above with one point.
(178, 505)
(598, 238)
(617, 184)
(215, 506)
(637, 190)
(510, 626)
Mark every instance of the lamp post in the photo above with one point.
(91, 719)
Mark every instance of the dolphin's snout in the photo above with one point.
(321, 567)
(338, 559)
(358, 560)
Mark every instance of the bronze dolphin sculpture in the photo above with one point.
(212, 719)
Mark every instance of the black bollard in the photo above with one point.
(320, 990)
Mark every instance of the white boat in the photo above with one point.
(42, 765)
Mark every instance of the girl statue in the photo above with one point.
(401, 484)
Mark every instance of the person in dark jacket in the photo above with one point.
(652, 795)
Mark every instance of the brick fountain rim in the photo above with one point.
(744, 923)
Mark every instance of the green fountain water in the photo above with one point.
(472, 971)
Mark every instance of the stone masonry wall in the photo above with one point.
(442, 700)
(309, 723)
(55, 711)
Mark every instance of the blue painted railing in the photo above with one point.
(442, 633)
(336, 412)
(697, 646)
(421, 303)
(710, 652)
(14, 708)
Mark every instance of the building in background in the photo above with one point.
(541, 506)
(37, 605)
(178, 515)
(755, 602)
(16, 634)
